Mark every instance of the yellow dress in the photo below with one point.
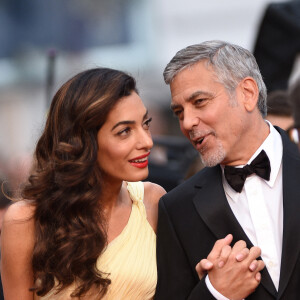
(130, 258)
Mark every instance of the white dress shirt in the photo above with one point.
(259, 208)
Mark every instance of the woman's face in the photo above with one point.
(124, 141)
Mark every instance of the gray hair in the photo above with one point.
(231, 64)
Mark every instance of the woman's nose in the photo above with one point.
(145, 140)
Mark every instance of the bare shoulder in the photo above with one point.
(17, 233)
(19, 211)
(153, 192)
(18, 222)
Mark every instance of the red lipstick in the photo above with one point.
(140, 161)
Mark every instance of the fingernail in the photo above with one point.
(208, 264)
(252, 267)
(258, 276)
(239, 257)
(221, 264)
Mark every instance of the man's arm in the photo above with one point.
(177, 280)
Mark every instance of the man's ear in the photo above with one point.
(248, 90)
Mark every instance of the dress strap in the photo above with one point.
(136, 191)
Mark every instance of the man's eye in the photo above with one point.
(177, 113)
(200, 101)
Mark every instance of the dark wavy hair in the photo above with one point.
(65, 184)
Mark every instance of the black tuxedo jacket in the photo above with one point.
(196, 213)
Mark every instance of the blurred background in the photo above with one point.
(43, 43)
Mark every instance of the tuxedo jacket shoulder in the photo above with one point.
(196, 213)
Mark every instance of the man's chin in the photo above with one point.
(213, 159)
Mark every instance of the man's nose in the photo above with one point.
(190, 119)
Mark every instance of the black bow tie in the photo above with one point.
(236, 176)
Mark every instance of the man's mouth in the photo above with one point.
(199, 141)
(199, 138)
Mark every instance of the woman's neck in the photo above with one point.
(114, 195)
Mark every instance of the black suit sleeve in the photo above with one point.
(177, 279)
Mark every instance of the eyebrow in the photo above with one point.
(128, 122)
(198, 93)
(192, 97)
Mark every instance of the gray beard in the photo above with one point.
(214, 157)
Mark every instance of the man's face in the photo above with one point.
(209, 117)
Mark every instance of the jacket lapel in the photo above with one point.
(291, 208)
(212, 206)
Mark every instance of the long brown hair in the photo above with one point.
(65, 183)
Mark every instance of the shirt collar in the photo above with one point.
(273, 147)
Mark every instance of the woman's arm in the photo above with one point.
(17, 242)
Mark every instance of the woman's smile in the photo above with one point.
(141, 161)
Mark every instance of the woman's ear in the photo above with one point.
(249, 92)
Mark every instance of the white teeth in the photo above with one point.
(140, 160)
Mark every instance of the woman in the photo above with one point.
(87, 227)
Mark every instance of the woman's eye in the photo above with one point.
(124, 131)
(147, 123)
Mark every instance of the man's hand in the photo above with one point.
(217, 253)
(220, 252)
(236, 280)
(235, 273)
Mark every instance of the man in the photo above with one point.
(280, 112)
(219, 98)
(294, 98)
